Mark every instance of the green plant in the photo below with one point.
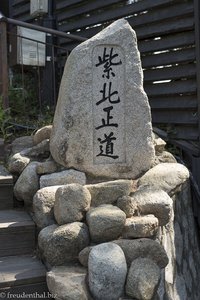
(5, 126)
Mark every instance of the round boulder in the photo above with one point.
(143, 279)
(43, 203)
(42, 134)
(105, 222)
(17, 163)
(107, 271)
(27, 184)
(68, 282)
(71, 203)
(61, 244)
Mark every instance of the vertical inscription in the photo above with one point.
(108, 105)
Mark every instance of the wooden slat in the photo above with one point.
(29, 289)
(19, 2)
(171, 88)
(85, 8)
(64, 4)
(186, 132)
(23, 9)
(168, 58)
(164, 28)
(174, 102)
(109, 15)
(17, 233)
(176, 72)
(175, 117)
(167, 42)
(6, 197)
(161, 14)
(18, 270)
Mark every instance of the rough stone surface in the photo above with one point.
(145, 248)
(159, 144)
(68, 282)
(22, 143)
(143, 278)
(43, 203)
(122, 150)
(63, 178)
(140, 226)
(180, 238)
(105, 222)
(107, 271)
(39, 151)
(165, 176)
(17, 163)
(165, 157)
(27, 184)
(61, 244)
(109, 192)
(148, 201)
(84, 255)
(42, 134)
(71, 204)
(47, 167)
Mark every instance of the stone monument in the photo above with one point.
(102, 124)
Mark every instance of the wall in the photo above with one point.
(180, 279)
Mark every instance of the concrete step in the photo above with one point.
(22, 277)
(6, 189)
(17, 233)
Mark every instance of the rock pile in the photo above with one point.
(100, 238)
(99, 214)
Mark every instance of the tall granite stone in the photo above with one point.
(102, 124)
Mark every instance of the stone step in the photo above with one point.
(17, 233)
(21, 276)
(6, 189)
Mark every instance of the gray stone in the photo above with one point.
(47, 167)
(145, 248)
(43, 203)
(143, 279)
(159, 144)
(178, 243)
(68, 283)
(42, 134)
(180, 291)
(71, 204)
(61, 244)
(22, 143)
(165, 157)
(41, 150)
(140, 226)
(107, 271)
(63, 178)
(80, 139)
(84, 255)
(27, 184)
(109, 192)
(105, 222)
(166, 176)
(127, 204)
(148, 201)
(17, 163)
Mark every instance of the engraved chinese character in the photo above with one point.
(106, 122)
(107, 94)
(108, 61)
(108, 149)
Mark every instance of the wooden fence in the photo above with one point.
(168, 37)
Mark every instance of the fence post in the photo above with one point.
(3, 64)
(197, 48)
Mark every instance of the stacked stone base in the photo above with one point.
(121, 239)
